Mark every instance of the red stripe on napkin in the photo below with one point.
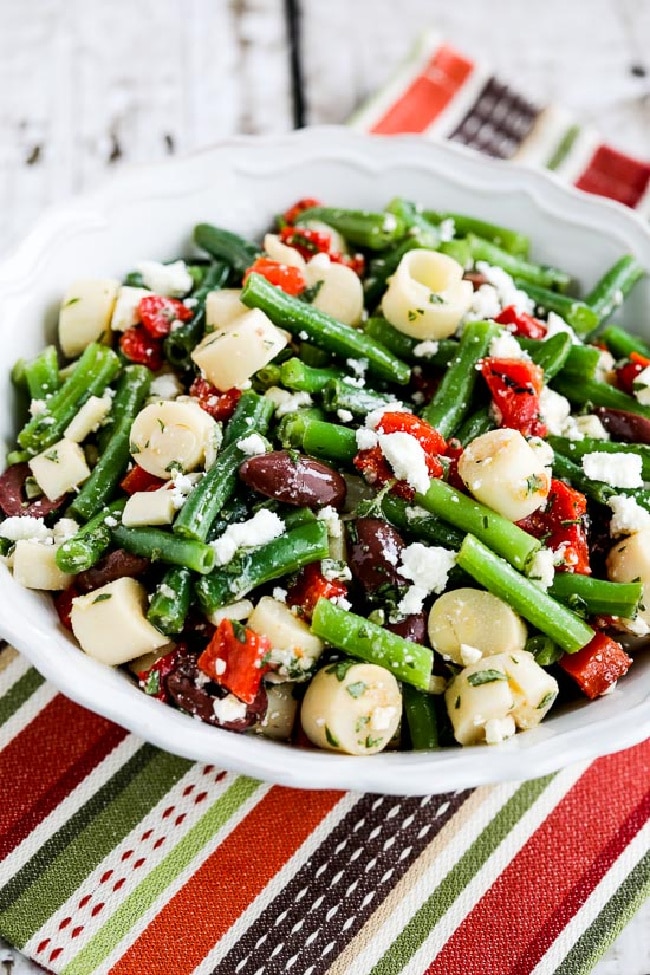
(444, 75)
(229, 880)
(616, 175)
(581, 828)
(46, 761)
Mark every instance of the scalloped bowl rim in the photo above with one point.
(277, 165)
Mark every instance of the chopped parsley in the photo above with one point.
(331, 739)
(485, 677)
(340, 668)
(356, 689)
(102, 597)
(546, 701)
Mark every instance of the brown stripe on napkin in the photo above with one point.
(498, 121)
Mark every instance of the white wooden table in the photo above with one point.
(90, 85)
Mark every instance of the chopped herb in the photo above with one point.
(546, 700)
(152, 683)
(340, 668)
(356, 689)
(331, 740)
(361, 723)
(133, 447)
(103, 596)
(161, 424)
(239, 631)
(310, 294)
(372, 742)
(535, 483)
(71, 301)
(436, 299)
(485, 677)
(412, 315)
(457, 703)
(52, 455)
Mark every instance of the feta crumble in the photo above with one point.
(165, 387)
(407, 459)
(330, 516)
(498, 729)
(542, 571)
(641, 387)
(428, 566)
(285, 402)
(556, 324)
(366, 439)
(345, 416)
(253, 445)
(617, 470)
(170, 280)
(428, 347)
(469, 654)
(24, 528)
(263, 527)
(554, 410)
(381, 718)
(628, 517)
(506, 346)
(229, 708)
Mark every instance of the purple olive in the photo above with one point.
(625, 426)
(292, 478)
(413, 628)
(374, 553)
(115, 565)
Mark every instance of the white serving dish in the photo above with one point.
(148, 212)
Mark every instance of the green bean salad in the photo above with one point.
(375, 481)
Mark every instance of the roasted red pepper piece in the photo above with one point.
(234, 658)
(306, 203)
(288, 279)
(524, 325)
(562, 527)
(138, 346)
(306, 241)
(627, 373)
(597, 666)
(356, 262)
(137, 480)
(157, 314)
(515, 385)
(376, 469)
(310, 586)
(153, 680)
(220, 406)
(63, 605)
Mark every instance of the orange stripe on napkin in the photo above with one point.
(428, 95)
(229, 880)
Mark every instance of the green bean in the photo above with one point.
(621, 343)
(330, 441)
(42, 374)
(460, 250)
(288, 553)
(527, 599)
(382, 267)
(403, 346)
(551, 354)
(582, 363)
(134, 279)
(297, 517)
(94, 370)
(415, 223)
(340, 394)
(295, 316)
(539, 275)
(409, 662)
(224, 245)
(598, 394)
(580, 316)
(502, 535)
(132, 391)
(291, 428)
(421, 523)
(576, 449)
(568, 471)
(362, 228)
(584, 594)
(295, 374)
(171, 601)
(87, 546)
(452, 399)
(509, 240)
(186, 336)
(266, 377)
(610, 292)
(19, 375)
(252, 415)
(420, 711)
(543, 649)
(207, 498)
(161, 546)
(475, 426)
(311, 355)
(17, 457)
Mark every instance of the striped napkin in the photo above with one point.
(118, 858)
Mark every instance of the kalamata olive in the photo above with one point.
(13, 500)
(116, 565)
(374, 553)
(413, 628)
(628, 427)
(196, 700)
(292, 478)
(476, 277)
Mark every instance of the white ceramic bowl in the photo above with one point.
(148, 212)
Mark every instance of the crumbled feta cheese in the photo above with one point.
(541, 570)
(374, 418)
(447, 230)
(628, 517)
(381, 718)
(554, 410)
(637, 626)
(358, 366)
(589, 425)
(428, 347)
(341, 602)
(556, 324)
(19, 528)
(357, 381)
(506, 346)
(37, 406)
(345, 416)
(252, 445)
(407, 459)
(505, 292)
(279, 594)
(428, 566)
(229, 708)
(366, 439)
(641, 387)
(263, 527)
(334, 570)
(180, 486)
(606, 363)
(469, 654)
(390, 223)
(498, 729)
(166, 591)
(64, 529)
(171, 280)
(618, 470)
(286, 402)
(485, 304)
(330, 516)
(166, 387)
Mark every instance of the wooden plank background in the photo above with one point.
(87, 86)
